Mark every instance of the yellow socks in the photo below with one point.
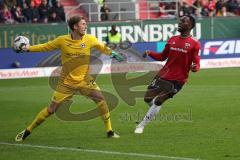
(105, 115)
(42, 115)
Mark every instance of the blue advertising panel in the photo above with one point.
(220, 49)
(10, 59)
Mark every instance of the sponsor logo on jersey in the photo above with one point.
(82, 45)
(178, 49)
(187, 45)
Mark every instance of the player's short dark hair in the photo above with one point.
(74, 20)
(192, 19)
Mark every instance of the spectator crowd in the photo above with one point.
(199, 8)
(204, 8)
(51, 11)
(31, 11)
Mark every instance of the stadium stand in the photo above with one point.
(40, 11)
(71, 4)
(31, 11)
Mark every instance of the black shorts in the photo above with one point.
(159, 82)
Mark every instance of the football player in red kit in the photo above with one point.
(182, 55)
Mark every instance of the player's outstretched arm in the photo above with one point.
(117, 56)
(48, 46)
(156, 56)
(106, 50)
(45, 47)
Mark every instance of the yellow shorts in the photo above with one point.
(65, 91)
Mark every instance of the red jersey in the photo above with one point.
(180, 53)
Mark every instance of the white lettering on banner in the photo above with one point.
(147, 33)
(168, 31)
(141, 33)
(102, 32)
(126, 32)
(237, 49)
(93, 31)
(208, 45)
(156, 33)
(226, 47)
(197, 31)
(222, 47)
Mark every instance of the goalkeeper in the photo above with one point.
(74, 74)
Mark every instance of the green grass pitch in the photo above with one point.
(201, 122)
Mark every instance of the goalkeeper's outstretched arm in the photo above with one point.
(104, 49)
(45, 47)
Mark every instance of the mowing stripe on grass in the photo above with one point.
(95, 151)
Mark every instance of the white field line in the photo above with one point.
(95, 151)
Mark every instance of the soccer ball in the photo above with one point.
(19, 42)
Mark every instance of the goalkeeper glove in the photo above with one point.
(117, 56)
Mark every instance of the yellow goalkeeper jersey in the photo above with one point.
(75, 55)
